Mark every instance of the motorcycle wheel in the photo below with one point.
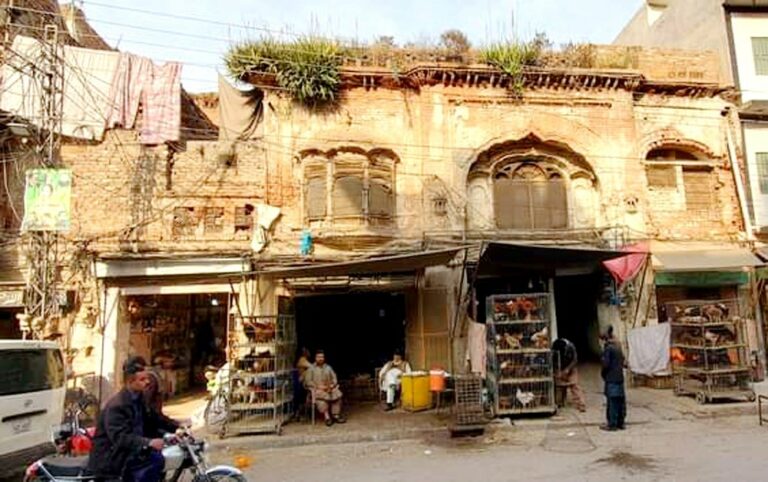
(220, 477)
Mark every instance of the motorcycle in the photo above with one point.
(182, 453)
(71, 438)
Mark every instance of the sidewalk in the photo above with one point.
(368, 423)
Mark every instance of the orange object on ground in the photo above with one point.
(437, 380)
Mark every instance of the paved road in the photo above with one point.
(730, 448)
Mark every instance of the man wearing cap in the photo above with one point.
(128, 441)
(613, 376)
(321, 381)
(389, 377)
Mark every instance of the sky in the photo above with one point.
(198, 32)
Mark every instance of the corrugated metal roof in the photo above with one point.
(401, 263)
(501, 257)
(705, 260)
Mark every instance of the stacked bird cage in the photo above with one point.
(468, 410)
(709, 350)
(261, 351)
(520, 361)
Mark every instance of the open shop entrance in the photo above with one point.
(179, 335)
(358, 332)
(576, 299)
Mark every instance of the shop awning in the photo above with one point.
(706, 260)
(385, 265)
(500, 257)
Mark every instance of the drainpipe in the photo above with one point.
(740, 191)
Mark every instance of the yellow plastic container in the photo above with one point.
(415, 395)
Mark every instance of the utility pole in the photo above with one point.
(41, 298)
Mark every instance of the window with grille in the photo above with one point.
(214, 220)
(760, 53)
(762, 171)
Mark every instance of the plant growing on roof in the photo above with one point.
(308, 68)
(512, 57)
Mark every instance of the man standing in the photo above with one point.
(321, 381)
(128, 443)
(613, 376)
(389, 377)
(568, 374)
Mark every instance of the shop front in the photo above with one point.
(174, 313)
(358, 312)
(708, 299)
(528, 296)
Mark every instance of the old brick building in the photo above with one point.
(420, 172)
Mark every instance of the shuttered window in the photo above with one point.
(316, 198)
(760, 52)
(661, 176)
(530, 204)
(762, 171)
(699, 191)
(379, 199)
(348, 196)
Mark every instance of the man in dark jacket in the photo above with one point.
(128, 443)
(613, 376)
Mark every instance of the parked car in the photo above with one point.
(32, 391)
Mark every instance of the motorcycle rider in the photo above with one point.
(128, 441)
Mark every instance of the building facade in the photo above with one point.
(373, 218)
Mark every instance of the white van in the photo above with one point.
(32, 390)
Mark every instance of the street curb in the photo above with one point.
(277, 441)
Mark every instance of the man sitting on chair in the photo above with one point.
(321, 381)
(389, 377)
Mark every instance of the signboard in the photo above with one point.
(701, 278)
(13, 298)
(47, 199)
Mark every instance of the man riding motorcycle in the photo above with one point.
(128, 440)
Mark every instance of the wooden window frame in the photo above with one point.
(760, 55)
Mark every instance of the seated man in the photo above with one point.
(321, 381)
(128, 442)
(389, 377)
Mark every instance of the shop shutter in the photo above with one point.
(760, 52)
(348, 196)
(513, 204)
(316, 198)
(379, 199)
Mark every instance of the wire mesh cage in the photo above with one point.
(709, 349)
(261, 350)
(468, 409)
(520, 359)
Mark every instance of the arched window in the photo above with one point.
(528, 196)
(531, 185)
(675, 170)
(349, 185)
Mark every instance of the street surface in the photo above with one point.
(726, 448)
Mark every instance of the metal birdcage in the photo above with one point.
(261, 351)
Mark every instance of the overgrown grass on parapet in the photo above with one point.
(308, 68)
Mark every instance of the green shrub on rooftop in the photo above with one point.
(308, 68)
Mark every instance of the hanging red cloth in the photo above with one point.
(627, 267)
